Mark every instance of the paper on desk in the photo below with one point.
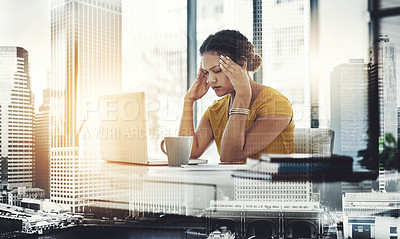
(255, 165)
(213, 167)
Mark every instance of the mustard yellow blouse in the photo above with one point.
(269, 101)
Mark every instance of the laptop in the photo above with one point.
(123, 127)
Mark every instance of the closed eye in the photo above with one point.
(218, 71)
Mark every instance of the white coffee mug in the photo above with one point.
(178, 149)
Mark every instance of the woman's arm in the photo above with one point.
(233, 138)
(238, 143)
(203, 135)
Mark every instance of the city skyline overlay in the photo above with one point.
(108, 75)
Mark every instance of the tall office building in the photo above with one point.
(42, 145)
(257, 35)
(16, 119)
(349, 111)
(383, 80)
(286, 53)
(85, 63)
(398, 128)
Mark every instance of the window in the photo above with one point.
(384, 4)
(155, 62)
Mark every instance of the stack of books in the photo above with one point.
(303, 167)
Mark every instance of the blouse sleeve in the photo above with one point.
(277, 105)
(206, 114)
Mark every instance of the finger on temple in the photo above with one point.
(230, 62)
(224, 68)
(227, 66)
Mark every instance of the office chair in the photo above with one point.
(314, 141)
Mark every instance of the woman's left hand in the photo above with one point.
(237, 74)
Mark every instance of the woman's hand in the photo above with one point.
(237, 75)
(199, 87)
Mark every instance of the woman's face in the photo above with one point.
(219, 82)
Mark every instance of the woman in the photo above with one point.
(250, 118)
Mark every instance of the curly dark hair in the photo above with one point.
(233, 44)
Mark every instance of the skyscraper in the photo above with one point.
(257, 35)
(384, 61)
(349, 111)
(383, 80)
(286, 53)
(398, 128)
(16, 119)
(42, 145)
(85, 63)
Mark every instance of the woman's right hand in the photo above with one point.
(199, 87)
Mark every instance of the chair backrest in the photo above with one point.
(313, 141)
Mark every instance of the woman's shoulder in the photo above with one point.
(268, 90)
(268, 93)
(271, 101)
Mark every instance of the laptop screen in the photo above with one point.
(123, 134)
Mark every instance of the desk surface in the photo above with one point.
(214, 191)
(192, 189)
